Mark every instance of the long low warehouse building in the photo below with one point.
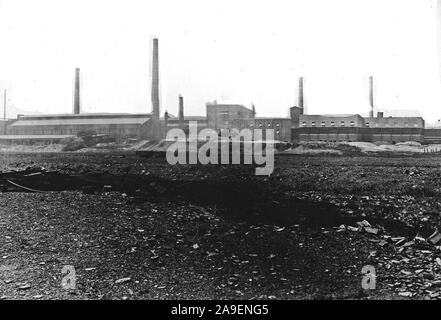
(353, 127)
(114, 125)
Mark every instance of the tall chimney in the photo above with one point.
(77, 102)
(155, 80)
(300, 97)
(181, 110)
(4, 112)
(371, 96)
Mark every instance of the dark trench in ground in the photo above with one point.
(251, 200)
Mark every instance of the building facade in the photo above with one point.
(281, 126)
(114, 125)
(339, 128)
(184, 124)
(223, 116)
(298, 127)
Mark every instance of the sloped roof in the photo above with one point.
(86, 115)
(335, 115)
(189, 118)
(79, 121)
(36, 136)
(396, 113)
(331, 115)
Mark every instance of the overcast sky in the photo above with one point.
(233, 51)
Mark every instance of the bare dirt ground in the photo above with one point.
(138, 228)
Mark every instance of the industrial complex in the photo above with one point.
(151, 126)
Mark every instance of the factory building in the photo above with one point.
(115, 125)
(222, 116)
(232, 116)
(354, 127)
(339, 128)
(118, 125)
(329, 127)
(281, 126)
(432, 135)
(174, 122)
(183, 122)
(5, 125)
(393, 129)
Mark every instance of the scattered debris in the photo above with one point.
(371, 230)
(247, 254)
(435, 238)
(24, 287)
(405, 294)
(363, 224)
(123, 280)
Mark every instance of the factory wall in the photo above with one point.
(176, 123)
(118, 126)
(392, 135)
(295, 113)
(394, 122)
(337, 134)
(6, 124)
(345, 134)
(111, 130)
(432, 135)
(152, 130)
(338, 128)
(306, 120)
(281, 126)
(221, 116)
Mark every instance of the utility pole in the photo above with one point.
(4, 112)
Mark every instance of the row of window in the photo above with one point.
(269, 125)
(352, 124)
(395, 124)
(119, 131)
(260, 125)
(335, 140)
(332, 124)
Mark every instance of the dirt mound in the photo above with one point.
(73, 144)
(331, 148)
(409, 143)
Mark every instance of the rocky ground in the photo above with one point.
(137, 228)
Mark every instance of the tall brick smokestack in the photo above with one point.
(300, 97)
(155, 80)
(371, 96)
(181, 110)
(77, 102)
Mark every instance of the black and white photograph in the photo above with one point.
(222, 156)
